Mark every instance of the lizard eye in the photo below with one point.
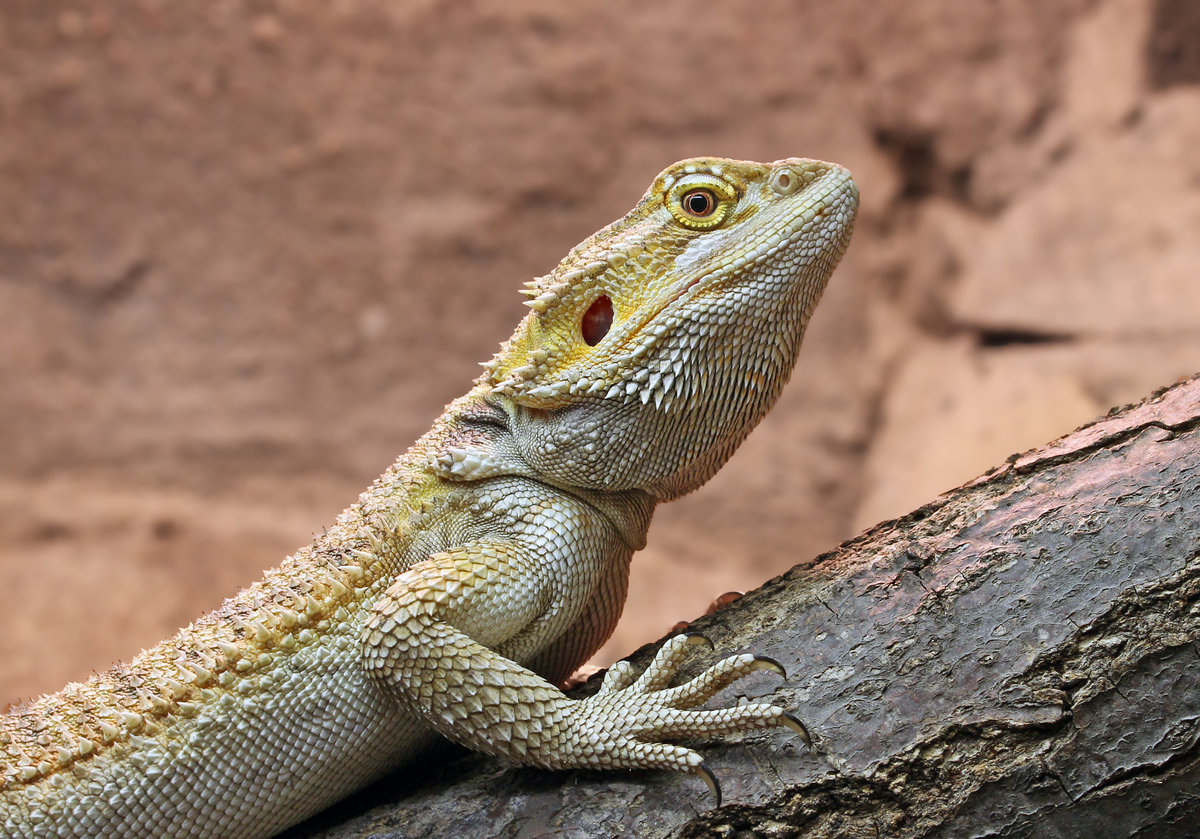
(698, 202)
(596, 320)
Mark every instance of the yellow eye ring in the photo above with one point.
(700, 201)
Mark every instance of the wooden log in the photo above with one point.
(1017, 658)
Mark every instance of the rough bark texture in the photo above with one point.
(1017, 658)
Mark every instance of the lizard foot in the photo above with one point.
(627, 720)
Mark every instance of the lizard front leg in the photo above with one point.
(446, 639)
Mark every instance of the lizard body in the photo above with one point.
(487, 562)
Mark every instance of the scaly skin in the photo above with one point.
(488, 562)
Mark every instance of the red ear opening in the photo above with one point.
(597, 320)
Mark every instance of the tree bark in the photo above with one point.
(1017, 658)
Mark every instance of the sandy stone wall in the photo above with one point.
(249, 249)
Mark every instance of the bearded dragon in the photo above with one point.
(488, 562)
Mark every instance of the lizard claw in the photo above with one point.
(646, 711)
(709, 778)
(792, 722)
(762, 662)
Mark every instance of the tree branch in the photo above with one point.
(1018, 658)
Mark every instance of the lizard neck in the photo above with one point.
(658, 344)
(481, 438)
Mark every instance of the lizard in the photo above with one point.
(488, 561)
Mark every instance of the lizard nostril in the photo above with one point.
(784, 181)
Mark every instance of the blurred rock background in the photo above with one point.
(249, 249)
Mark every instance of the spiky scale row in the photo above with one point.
(486, 563)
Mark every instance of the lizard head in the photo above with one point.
(658, 343)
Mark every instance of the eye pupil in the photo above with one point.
(596, 320)
(699, 202)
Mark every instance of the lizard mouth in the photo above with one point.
(825, 202)
(831, 195)
(802, 225)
